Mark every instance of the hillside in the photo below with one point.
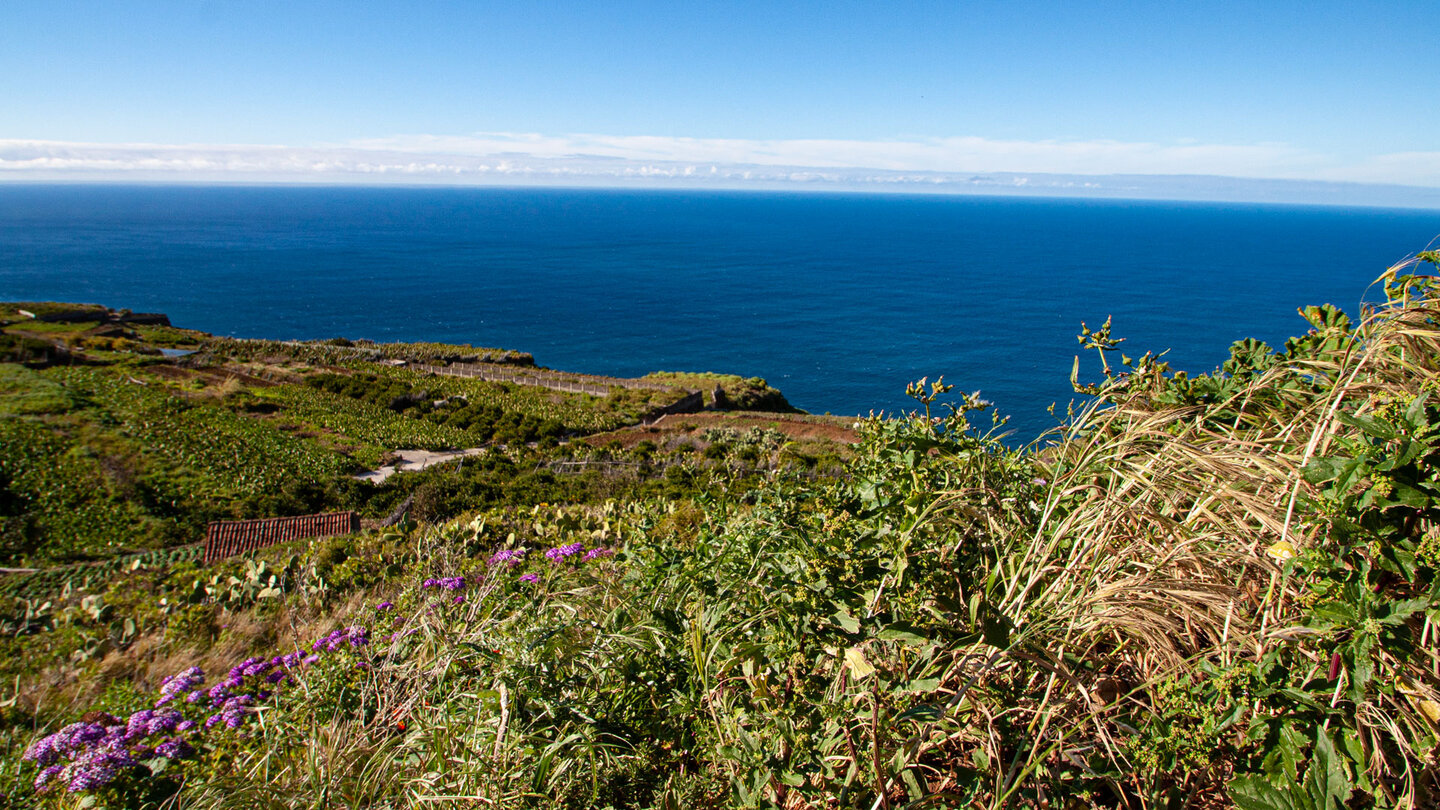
(120, 433)
(1201, 591)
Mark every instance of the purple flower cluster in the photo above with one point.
(512, 556)
(556, 555)
(561, 552)
(355, 636)
(385, 606)
(448, 583)
(180, 684)
(87, 755)
(232, 712)
(233, 693)
(175, 748)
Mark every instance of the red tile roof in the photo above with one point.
(228, 538)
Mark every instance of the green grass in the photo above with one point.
(26, 393)
(52, 328)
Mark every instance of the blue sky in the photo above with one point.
(1292, 90)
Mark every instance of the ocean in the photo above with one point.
(838, 300)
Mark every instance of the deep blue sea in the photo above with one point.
(838, 300)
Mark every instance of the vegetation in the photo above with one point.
(340, 351)
(107, 447)
(738, 393)
(1200, 591)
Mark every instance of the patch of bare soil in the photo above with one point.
(410, 460)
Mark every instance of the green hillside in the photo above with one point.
(1201, 591)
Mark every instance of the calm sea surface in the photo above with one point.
(838, 300)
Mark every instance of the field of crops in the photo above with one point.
(577, 412)
(363, 422)
(224, 452)
(62, 491)
(348, 352)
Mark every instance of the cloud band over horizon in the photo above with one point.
(934, 164)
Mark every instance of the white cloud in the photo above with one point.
(1114, 168)
(960, 154)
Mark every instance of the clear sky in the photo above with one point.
(1297, 90)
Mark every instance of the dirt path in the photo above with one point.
(411, 460)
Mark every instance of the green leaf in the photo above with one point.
(912, 785)
(1255, 792)
(997, 629)
(923, 685)
(1398, 612)
(1409, 496)
(1363, 670)
(903, 632)
(847, 622)
(1320, 470)
(1369, 425)
(923, 713)
(1326, 781)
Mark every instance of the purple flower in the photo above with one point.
(176, 685)
(384, 606)
(44, 750)
(235, 711)
(163, 723)
(355, 636)
(175, 748)
(43, 778)
(530, 578)
(561, 552)
(253, 668)
(195, 697)
(508, 555)
(139, 721)
(596, 553)
(99, 770)
(185, 726)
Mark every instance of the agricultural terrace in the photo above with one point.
(109, 447)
